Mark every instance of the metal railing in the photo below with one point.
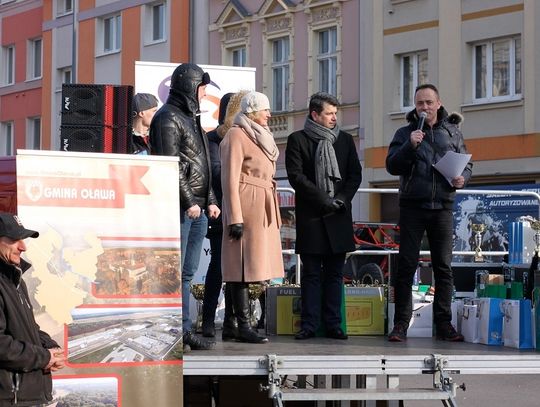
(422, 252)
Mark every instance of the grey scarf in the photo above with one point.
(326, 166)
(262, 136)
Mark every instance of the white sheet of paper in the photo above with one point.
(452, 165)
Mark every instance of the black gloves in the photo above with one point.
(333, 205)
(236, 230)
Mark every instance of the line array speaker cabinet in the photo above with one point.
(96, 118)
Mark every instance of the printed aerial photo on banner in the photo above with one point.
(71, 391)
(105, 278)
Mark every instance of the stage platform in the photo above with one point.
(359, 355)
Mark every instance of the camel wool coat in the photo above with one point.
(249, 197)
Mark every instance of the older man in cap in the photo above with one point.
(27, 354)
(144, 107)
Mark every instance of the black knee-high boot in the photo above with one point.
(262, 302)
(240, 294)
(230, 327)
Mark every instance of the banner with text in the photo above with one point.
(105, 280)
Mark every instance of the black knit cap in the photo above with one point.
(11, 227)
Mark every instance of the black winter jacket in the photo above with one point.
(176, 131)
(215, 226)
(316, 231)
(421, 185)
(23, 346)
(138, 145)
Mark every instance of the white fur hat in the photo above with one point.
(254, 102)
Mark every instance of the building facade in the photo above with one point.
(21, 75)
(46, 43)
(369, 53)
(298, 48)
(484, 58)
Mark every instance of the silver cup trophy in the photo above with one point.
(478, 229)
(535, 225)
(197, 290)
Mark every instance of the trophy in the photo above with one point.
(478, 229)
(197, 290)
(535, 225)
(255, 291)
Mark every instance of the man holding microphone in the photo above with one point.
(426, 200)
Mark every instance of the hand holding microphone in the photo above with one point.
(418, 135)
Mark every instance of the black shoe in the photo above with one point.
(229, 333)
(304, 334)
(446, 332)
(399, 333)
(208, 330)
(336, 333)
(260, 324)
(197, 343)
(249, 335)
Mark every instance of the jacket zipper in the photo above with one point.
(23, 299)
(433, 189)
(406, 188)
(15, 386)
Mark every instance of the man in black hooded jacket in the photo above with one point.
(426, 200)
(176, 130)
(27, 354)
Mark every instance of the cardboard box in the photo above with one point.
(365, 310)
(421, 324)
(283, 308)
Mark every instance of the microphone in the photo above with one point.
(421, 120)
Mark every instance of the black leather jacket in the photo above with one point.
(176, 131)
(420, 185)
(23, 346)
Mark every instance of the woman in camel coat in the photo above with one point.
(251, 248)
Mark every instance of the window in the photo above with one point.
(64, 7)
(327, 60)
(112, 33)
(497, 70)
(65, 75)
(33, 135)
(158, 22)
(8, 65)
(34, 56)
(280, 74)
(414, 72)
(239, 57)
(6, 140)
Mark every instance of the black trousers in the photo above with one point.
(322, 290)
(213, 280)
(438, 224)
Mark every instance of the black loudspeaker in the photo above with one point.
(96, 118)
(76, 138)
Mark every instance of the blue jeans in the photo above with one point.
(439, 226)
(192, 233)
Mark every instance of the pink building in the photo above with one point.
(297, 48)
(21, 76)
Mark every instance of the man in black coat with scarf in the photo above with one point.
(323, 168)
